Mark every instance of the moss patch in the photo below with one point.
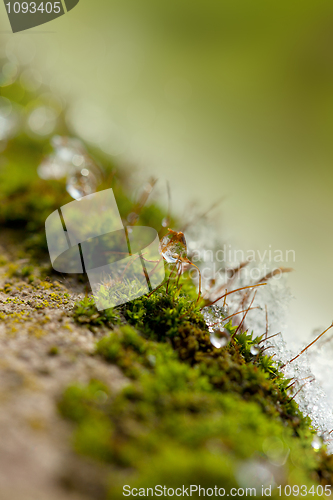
(193, 414)
(173, 427)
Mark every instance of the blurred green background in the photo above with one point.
(220, 98)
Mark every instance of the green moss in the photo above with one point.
(86, 313)
(173, 427)
(126, 349)
(164, 318)
(161, 314)
(28, 207)
(192, 413)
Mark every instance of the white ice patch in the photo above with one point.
(311, 372)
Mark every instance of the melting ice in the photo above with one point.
(71, 161)
(311, 373)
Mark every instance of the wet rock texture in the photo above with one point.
(42, 351)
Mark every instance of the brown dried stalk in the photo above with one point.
(278, 270)
(232, 291)
(247, 310)
(307, 347)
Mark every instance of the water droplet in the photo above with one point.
(219, 338)
(81, 183)
(173, 247)
(316, 443)
(255, 349)
(166, 222)
(78, 160)
(70, 160)
(52, 169)
(68, 149)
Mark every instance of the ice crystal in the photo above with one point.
(311, 372)
(173, 247)
(214, 316)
